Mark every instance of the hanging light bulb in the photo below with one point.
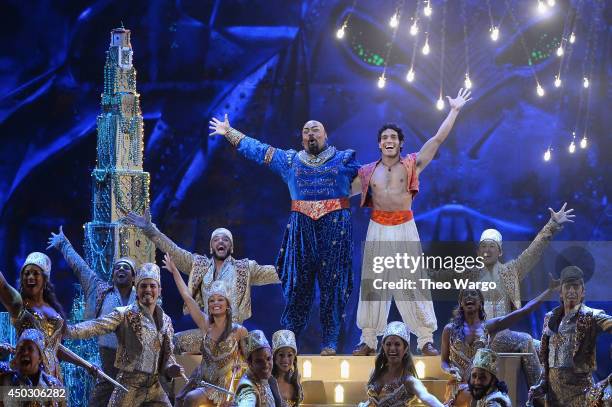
(494, 33)
(540, 90)
(414, 29)
(551, 3)
(410, 75)
(547, 155)
(585, 82)
(440, 103)
(394, 21)
(425, 49)
(427, 10)
(541, 7)
(557, 82)
(467, 82)
(382, 81)
(572, 147)
(560, 51)
(340, 32)
(583, 142)
(572, 38)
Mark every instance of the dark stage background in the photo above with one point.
(273, 64)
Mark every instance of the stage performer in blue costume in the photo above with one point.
(318, 241)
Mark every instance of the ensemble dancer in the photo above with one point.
(257, 386)
(144, 343)
(486, 389)
(470, 330)
(101, 298)
(568, 345)
(394, 381)
(285, 369)
(318, 243)
(388, 186)
(222, 354)
(27, 370)
(508, 277)
(238, 274)
(35, 305)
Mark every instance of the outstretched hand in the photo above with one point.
(169, 264)
(462, 98)
(140, 222)
(56, 239)
(562, 216)
(219, 127)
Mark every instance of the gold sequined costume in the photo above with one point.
(568, 353)
(218, 360)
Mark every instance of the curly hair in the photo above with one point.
(392, 126)
(293, 379)
(458, 318)
(380, 364)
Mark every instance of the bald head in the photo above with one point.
(314, 137)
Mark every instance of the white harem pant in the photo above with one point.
(415, 305)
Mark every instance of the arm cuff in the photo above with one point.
(234, 136)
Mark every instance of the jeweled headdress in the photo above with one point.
(486, 359)
(283, 339)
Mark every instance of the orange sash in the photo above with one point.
(317, 209)
(391, 218)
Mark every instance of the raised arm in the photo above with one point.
(262, 275)
(430, 148)
(182, 258)
(10, 298)
(194, 310)
(250, 148)
(532, 254)
(87, 277)
(95, 327)
(495, 325)
(415, 386)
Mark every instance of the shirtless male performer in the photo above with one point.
(388, 186)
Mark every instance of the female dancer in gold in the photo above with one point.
(394, 382)
(285, 369)
(35, 306)
(469, 331)
(222, 354)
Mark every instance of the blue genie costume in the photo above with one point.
(318, 242)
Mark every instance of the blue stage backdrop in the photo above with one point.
(272, 65)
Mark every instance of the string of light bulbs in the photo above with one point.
(493, 28)
(440, 102)
(467, 83)
(340, 33)
(394, 22)
(539, 88)
(413, 31)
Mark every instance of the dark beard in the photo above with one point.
(314, 150)
(478, 394)
(216, 256)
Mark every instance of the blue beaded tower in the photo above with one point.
(119, 186)
(119, 183)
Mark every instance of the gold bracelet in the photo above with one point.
(234, 136)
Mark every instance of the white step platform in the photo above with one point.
(352, 373)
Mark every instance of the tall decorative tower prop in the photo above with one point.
(119, 185)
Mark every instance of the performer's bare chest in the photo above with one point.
(388, 188)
